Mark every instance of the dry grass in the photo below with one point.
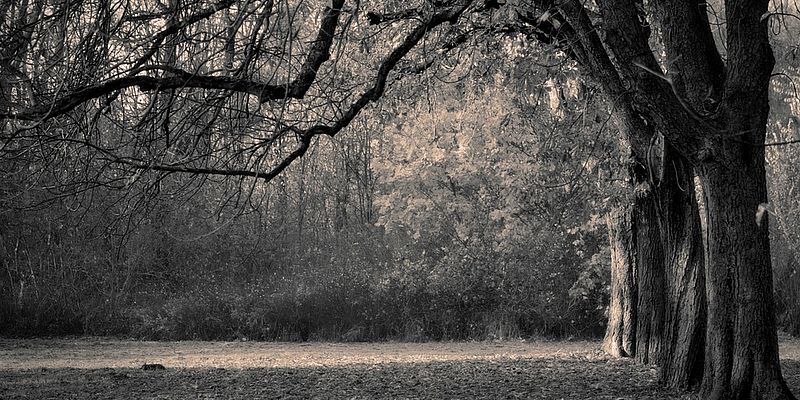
(103, 368)
(103, 353)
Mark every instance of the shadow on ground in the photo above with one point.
(496, 379)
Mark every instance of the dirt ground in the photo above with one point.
(96, 368)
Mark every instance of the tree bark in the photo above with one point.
(620, 337)
(681, 359)
(652, 302)
(742, 347)
(657, 308)
(714, 113)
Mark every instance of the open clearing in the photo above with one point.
(90, 368)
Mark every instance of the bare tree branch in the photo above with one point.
(179, 79)
(319, 53)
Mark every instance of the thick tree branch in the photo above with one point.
(631, 77)
(750, 63)
(693, 62)
(319, 53)
(750, 58)
(376, 18)
(590, 53)
(626, 34)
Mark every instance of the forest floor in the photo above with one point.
(95, 368)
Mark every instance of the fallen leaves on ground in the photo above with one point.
(510, 374)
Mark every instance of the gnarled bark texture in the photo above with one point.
(681, 359)
(657, 309)
(652, 302)
(742, 347)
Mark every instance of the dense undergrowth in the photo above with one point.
(357, 295)
(352, 300)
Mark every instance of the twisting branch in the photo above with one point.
(451, 14)
(374, 93)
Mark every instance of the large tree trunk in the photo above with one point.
(657, 309)
(742, 347)
(650, 275)
(681, 358)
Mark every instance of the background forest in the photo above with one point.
(470, 202)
